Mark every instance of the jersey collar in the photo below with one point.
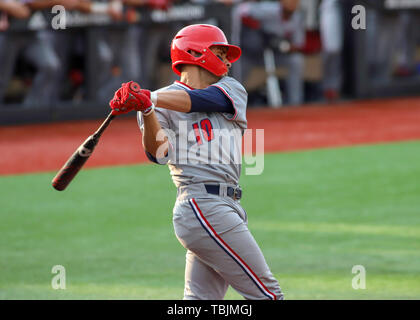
(182, 84)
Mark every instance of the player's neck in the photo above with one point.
(197, 78)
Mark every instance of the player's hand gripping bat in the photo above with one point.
(79, 157)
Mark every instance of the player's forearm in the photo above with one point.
(15, 9)
(154, 138)
(88, 6)
(136, 3)
(84, 6)
(177, 100)
(112, 8)
(43, 4)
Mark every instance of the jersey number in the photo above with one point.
(206, 129)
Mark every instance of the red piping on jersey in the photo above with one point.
(227, 247)
(231, 100)
(183, 84)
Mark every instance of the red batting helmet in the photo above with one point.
(199, 38)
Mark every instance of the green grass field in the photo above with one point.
(315, 214)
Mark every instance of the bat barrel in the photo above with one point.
(79, 157)
(66, 175)
(74, 164)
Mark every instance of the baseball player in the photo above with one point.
(180, 121)
(331, 29)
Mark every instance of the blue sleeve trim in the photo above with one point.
(211, 99)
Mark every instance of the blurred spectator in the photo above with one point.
(15, 9)
(381, 38)
(10, 46)
(156, 54)
(101, 80)
(390, 42)
(408, 36)
(331, 29)
(103, 77)
(129, 54)
(280, 25)
(115, 54)
(38, 49)
(112, 52)
(131, 57)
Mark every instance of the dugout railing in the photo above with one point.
(357, 79)
(151, 19)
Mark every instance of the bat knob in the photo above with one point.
(135, 86)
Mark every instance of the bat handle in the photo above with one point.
(103, 126)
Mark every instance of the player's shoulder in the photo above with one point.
(230, 80)
(231, 85)
(176, 85)
(172, 86)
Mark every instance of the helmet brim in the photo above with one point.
(233, 53)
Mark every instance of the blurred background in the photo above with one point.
(334, 84)
(59, 66)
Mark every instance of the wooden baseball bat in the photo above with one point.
(79, 157)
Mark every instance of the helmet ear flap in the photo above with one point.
(213, 63)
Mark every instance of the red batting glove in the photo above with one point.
(129, 97)
(144, 96)
(147, 93)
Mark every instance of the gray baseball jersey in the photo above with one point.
(196, 139)
(206, 150)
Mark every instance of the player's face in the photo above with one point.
(221, 53)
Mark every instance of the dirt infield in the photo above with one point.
(45, 147)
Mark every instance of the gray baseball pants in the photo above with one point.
(221, 250)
